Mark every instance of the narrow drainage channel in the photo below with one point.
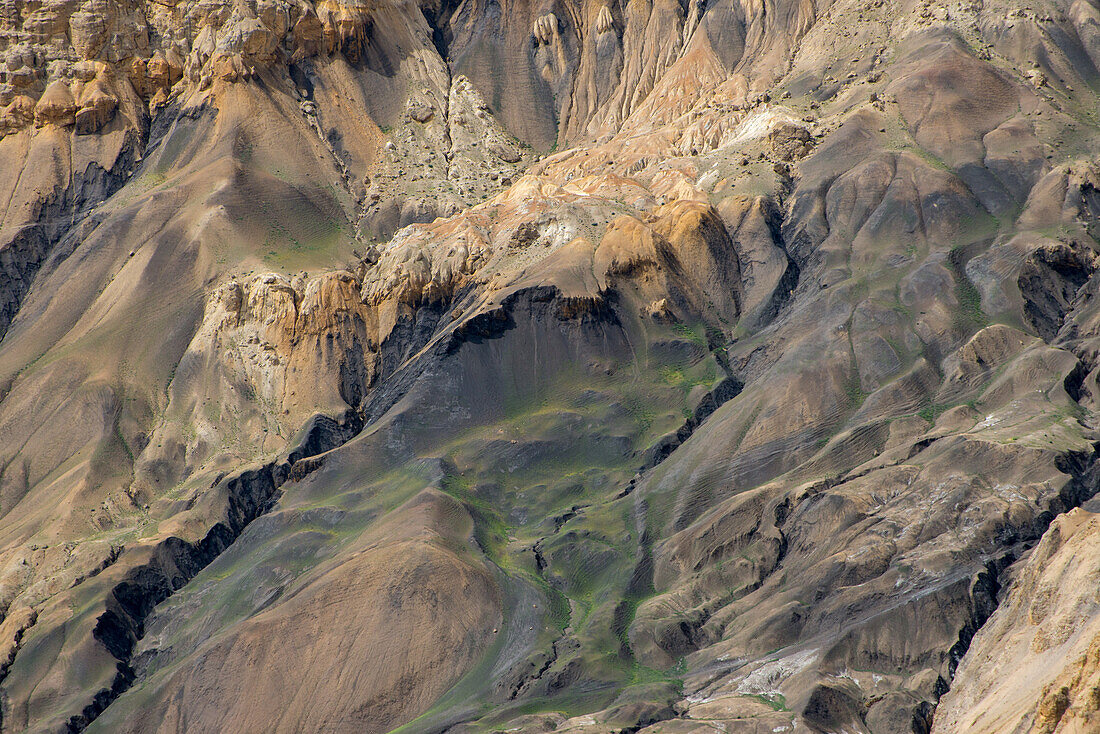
(986, 585)
(1049, 317)
(174, 562)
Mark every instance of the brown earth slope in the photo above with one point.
(554, 366)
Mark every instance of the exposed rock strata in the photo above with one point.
(735, 410)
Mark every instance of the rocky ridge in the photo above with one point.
(736, 411)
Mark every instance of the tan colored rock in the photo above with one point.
(97, 105)
(420, 111)
(157, 101)
(659, 311)
(56, 105)
(88, 30)
(1035, 666)
(18, 114)
(604, 21)
(249, 38)
(546, 27)
(136, 70)
(86, 71)
(344, 25)
(790, 142)
(628, 246)
(161, 72)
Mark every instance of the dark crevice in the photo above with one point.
(983, 602)
(541, 565)
(787, 284)
(1075, 381)
(439, 20)
(565, 517)
(252, 493)
(56, 218)
(984, 595)
(1052, 283)
(726, 390)
(526, 681)
(174, 562)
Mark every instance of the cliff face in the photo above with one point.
(566, 366)
(1034, 666)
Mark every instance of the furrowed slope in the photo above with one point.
(732, 412)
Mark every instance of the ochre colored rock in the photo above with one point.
(96, 108)
(448, 366)
(18, 114)
(56, 105)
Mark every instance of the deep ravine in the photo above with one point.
(248, 495)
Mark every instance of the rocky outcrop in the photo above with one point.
(173, 562)
(1034, 666)
(604, 20)
(72, 195)
(708, 364)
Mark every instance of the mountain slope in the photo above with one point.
(572, 366)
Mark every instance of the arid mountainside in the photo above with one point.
(659, 366)
(1041, 646)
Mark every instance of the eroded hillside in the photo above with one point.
(553, 366)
